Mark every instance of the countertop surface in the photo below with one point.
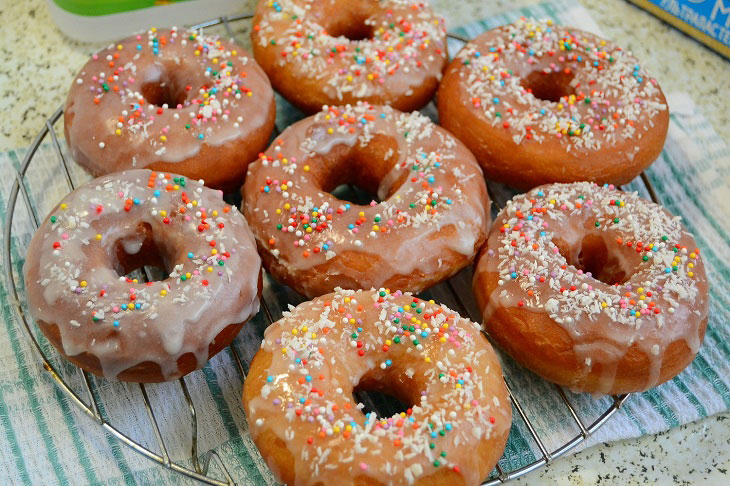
(37, 64)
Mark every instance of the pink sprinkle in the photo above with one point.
(363, 466)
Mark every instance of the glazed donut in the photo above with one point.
(170, 100)
(539, 103)
(593, 288)
(432, 219)
(338, 52)
(298, 396)
(116, 326)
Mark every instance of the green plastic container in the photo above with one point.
(107, 20)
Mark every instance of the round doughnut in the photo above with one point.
(593, 288)
(106, 321)
(298, 396)
(539, 103)
(170, 100)
(432, 218)
(338, 52)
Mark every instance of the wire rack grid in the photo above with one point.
(455, 293)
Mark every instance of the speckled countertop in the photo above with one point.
(37, 64)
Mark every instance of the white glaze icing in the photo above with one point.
(223, 96)
(433, 185)
(206, 244)
(663, 300)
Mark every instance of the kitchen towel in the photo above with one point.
(47, 439)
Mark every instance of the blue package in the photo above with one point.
(708, 21)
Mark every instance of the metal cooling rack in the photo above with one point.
(455, 293)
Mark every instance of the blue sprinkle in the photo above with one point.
(139, 47)
(424, 334)
(431, 179)
(449, 201)
(302, 400)
(308, 378)
(298, 360)
(269, 379)
(157, 193)
(350, 226)
(190, 254)
(267, 189)
(382, 115)
(136, 201)
(433, 435)
(388, 362)
(542, 112)
(477, 54)
(137, 305)
(347, 206)
(542, 233)
(667, 270)
(513, 274)
(437, 164)
(448, 427)
(325, 247)
(201, 136)
(529, 217)
(595, 63)
(496, 101)
(116, 323)
(460, 382)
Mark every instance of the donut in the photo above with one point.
(170, 100)
(538, 103)
(338, 52)
(593, 288)
(303, 417)
(430, 222)
(108, 322)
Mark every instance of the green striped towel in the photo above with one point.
(46, 439)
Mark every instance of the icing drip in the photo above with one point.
(661, 299)
(323, 348)
(431, 186)
(161, 96)
(73, 284)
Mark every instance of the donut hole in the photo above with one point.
(167, 86)
(356, 174)
(354, 194)
(384, 392)
(355, 28)
(550, 86)
(137, 250)
(595, 258)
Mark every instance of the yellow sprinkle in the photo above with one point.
(376, 227)
(306, 168)
(458, 385)
(691, 265)
(427, 360)
(693, 255)
(640, 290)
(309, 230)
(163, 292)
(188, 275)
(604, 305)
(249, 94)
(313, 335)
(388, 342)
(287, 206)
(278, 211)
(195, 202)
(63, 206)
(213, 251)
(163, 213)
(283, 351)
(234, 52)
(284, 187)
(197, 52)
(163, 138)
(210, 269)
(98, 237)
(305, 328)
(691, 274)
(130, 306)
(330, 131)
(361, 214)
(214, 213)
(347, 300)
(336, 429)
(348, 428)
(431, 301)
(83, 283)
(295, 331)
(284, 161)
(120, 47)
(118, 131)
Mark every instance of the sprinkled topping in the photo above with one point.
(323, 347)
(162, 95)
(73, 258)
(647, 282)
(429, 182)
(405, 49)
(593, 93)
